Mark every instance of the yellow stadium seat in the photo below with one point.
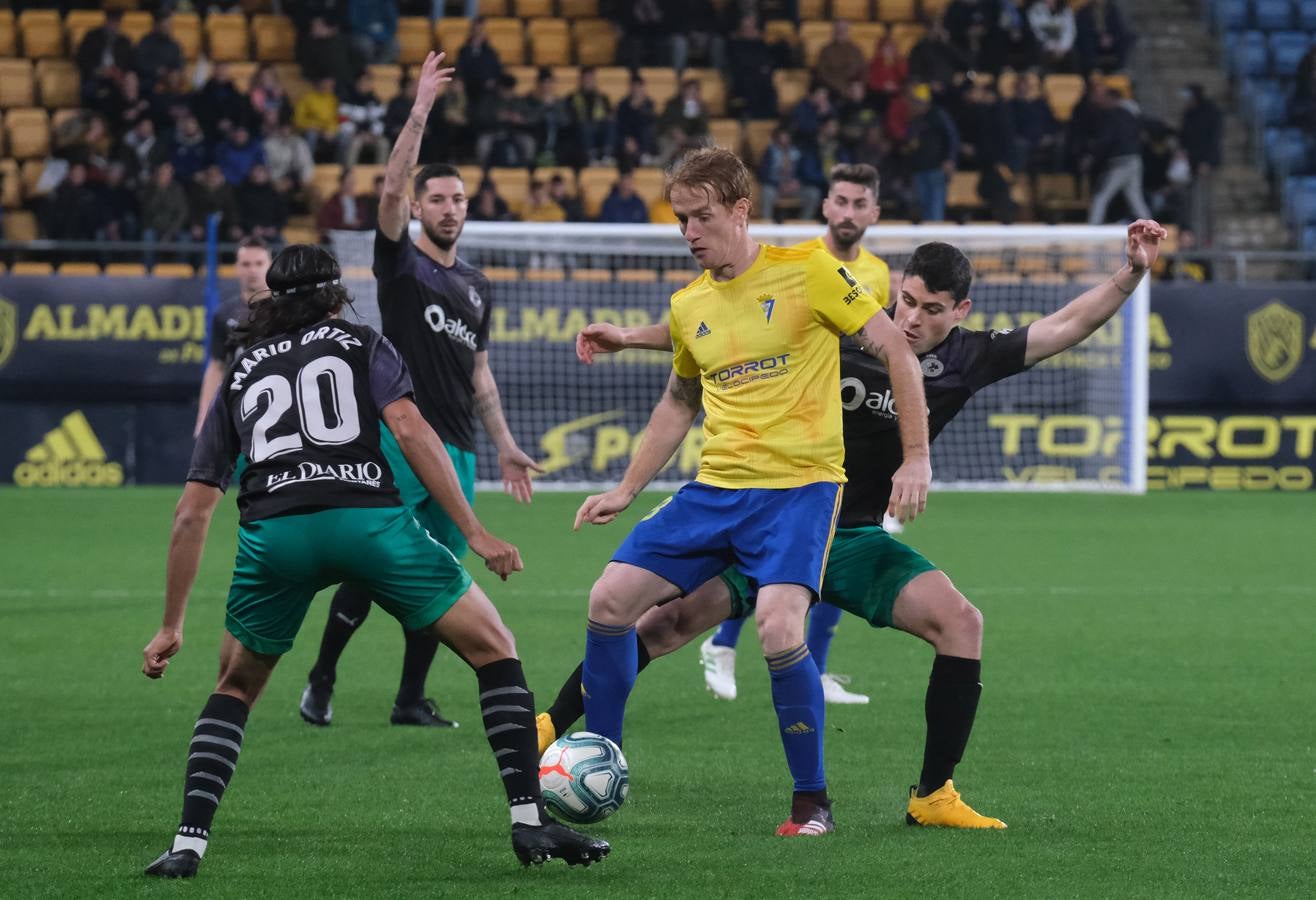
(8, 34)
(525, 78)
(758, 134)
(578, 9)
(854, 10)
(813, 36)
(471, 178)
(226, 36)
(450, 35)
(546, 173)
(294, 234)
(276, 38)
(614, 83)
(185, 27)
(550, 42)
(591, 275)
(30, 175)
(495, 8)
(415, 40)
(385, 81)
(242, 73)
(812, 9)
(80, 270)
(1032, 263)
(507, 36)
(60, 116)
(61, 85)
(125, 270)
(775, 30)
(545, 275)
(42, 39)
(649, 183)
(680, 276)
(1120, 84)
(11, 185)
(501, 273)
(27, 268)
(227, 272)
(28, 133)
(173, 270)
(17, 86)
(78, 22)
(932, 9)
(595, 41)
(662, 83)
(595, 184)
(363, 177)
(906, 35)
(529, 9)
(637, 275)
(792, 86)
(567, 78)
(898, 10)
(1062, 92)
(712, 88)
(290, 76)
(38, 16)
(866, 35)
(1002, 278)
(513, 185)
(726, 133)
(135, 24)
(1048, 278)
(324, 181)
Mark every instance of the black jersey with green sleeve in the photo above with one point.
(953, 371)
(304, 409)
(438, 318)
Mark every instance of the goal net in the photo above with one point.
(1075, 422)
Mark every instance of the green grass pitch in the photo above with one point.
(1146, 726)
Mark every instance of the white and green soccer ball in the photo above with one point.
(584, 777)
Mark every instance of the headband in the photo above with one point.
(305, 288)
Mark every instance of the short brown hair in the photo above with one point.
(716, 170)
(861, 174)
(252, 242)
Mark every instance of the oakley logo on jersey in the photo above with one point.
(367, 473)
(854, 394)
(455, 328)
(744, 373)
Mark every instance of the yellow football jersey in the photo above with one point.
(764, 346)
(869, 269)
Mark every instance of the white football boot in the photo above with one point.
(835, 692)
(719, 669)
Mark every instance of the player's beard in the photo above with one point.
(846, 239)
(439, 239)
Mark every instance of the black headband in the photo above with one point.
(304, 288)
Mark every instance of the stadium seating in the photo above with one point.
(530, 9)
(1062, 93)
(11, 185)
(550, 42)
(507, 37)
(43, 33)
(78, 22)
(27, 133)
(1286, 49)
(385, 81)
(185, 27)
(854, 10)
(8, 34)
(60, 83)
(17, 86)
(578, 9)
(792, 85)
(416, 40)
(125, 270)
(1273, 15)
(135, 25)
(276, 38)
(1306, 18)
(226, 37)
(726, 133)
(595, 41)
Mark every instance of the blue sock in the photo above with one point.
(607, 676)
(728, 633)
(823, 620)
(797, 695)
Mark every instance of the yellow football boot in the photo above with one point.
(944, 808)
(547, 733)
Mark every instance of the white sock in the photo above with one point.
(185, 842)
(526, 814)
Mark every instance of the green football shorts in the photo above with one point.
(285, 561)
(866, 570)
(427, 511)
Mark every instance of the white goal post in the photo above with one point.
(1077, 422)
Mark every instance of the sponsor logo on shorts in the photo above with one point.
(755, 370)
(366, 473)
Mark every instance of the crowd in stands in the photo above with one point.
(155, 152)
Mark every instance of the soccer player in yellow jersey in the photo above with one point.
(850, 208)
(754, 342)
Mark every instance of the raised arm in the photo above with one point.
(909, 485)
(514, 465)
(603, 337)
(191, 523)
(1074, 322)
(667, 428)
(394, 205)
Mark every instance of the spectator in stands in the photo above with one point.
(1201, 134)
(287, 155)
(399, 108)
(73, 212)
(930, 148)
(172, 99)
(126, 106)
(140, 151)
(478, 65)
(361, 123)
(316, 117)
(262, 210)
(1084, 122)
(856, 114)
(840, 61)
(750, 64)
(934, 60)
(1038, 136)
(563, 197)
(448, 131)
(487, 206)
(163, 205)
(500, 123)
(157, 53)
(344, 211)
(220, 105)
(1116, 155)
(887, 73)
(623, 205)
(370, 203)
(118, 204)
(211, 194)
(872, 149)
(637, 132)
(546, 118)
(1052, 22)
(824, 153)
(1102, 39)
(267, 93)
(1011, 43)
(191, 149)
(1302, 108)
(780, 179)
(237, 154)
(811, 112)
(647, 33)
(684, 121)
(105, 50)
(540, 205)
(373, 25)
(327, 53)
(988, 147)
(592, 125)
(969, 23)
(305, 12)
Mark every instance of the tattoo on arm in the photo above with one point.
(877, 351)
(686, 391)
(486, 402)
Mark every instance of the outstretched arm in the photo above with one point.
(909, 485)
(668, 426)
(191, 522)
(1074, 322)
(602, 337)
(394, 205)
(513, 463)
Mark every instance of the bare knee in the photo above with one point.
(957, 628)
(489, 641)
(780, 628)
(659, 630)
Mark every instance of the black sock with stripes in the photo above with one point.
(211, 759)
(508, 709)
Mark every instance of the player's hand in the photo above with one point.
(599, 337)
(909, 489)
(156, 654)
(432, 78)
(1145, 236)
(516, 468)
(601, 509)
(499, 557)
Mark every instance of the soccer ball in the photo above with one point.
(584, 777)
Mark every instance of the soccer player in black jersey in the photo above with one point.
(318, 505)
(436, 310)
(869, 573)
(253, 261)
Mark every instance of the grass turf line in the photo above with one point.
(1145, 726)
